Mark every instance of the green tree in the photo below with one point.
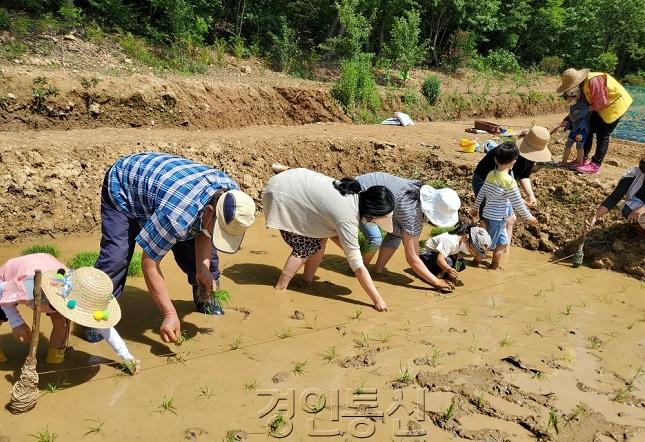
(353, 34)
(406, 49)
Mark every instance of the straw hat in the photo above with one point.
(534, 145)
(235, 212)
(440, 206)
(83, 296)
(572, 78)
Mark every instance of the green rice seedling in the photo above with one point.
(44, 436)
(567, 309)
(475, 344)
(505, 342)
(251, 385)
(583, 302)
(625, 393)
(41, 248)
(464, 311)
(134, 269)
(539, 375)
(284, 333)
(404, 377)
(479, 400)
(493, 303)
(553, 422)
(167, 405)
(299, 367)
(385, 337)
(529, 329)
(363, 341)
(277, 424)
(83, 259)
(318, 406)
(97, 428)
(357, 314)
(360, 389)
(221, 296)
(579, 281)
(128, 367)
(330, 354)
(594, 343)
(581, 410)
(450, 411)
(605, 299)
(539, 294)
(548, 318)
(311, 325)
(205, 392)
(434, 358)
(237, 342)
(53, 387)
(182, 339)
(176, 358)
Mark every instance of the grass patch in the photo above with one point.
(14, 49)
(405, 376)
(96, 428)
(167, 406)
(330, 354)
(44, 436)
(299, 367)
(41, 248)
(88, 259)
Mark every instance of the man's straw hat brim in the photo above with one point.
(572, 78)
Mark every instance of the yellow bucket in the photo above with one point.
(467, 145)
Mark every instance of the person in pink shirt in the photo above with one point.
(68, 295)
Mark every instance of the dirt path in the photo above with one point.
(574, 338)
(51, 179)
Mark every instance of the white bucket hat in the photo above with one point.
(440, 206)
(234, 213)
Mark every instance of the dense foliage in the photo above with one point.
(488, 34)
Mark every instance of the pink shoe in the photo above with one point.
(586, 161)
(590, 168)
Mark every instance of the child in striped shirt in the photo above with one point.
(501, 196)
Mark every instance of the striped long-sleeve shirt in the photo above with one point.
(166, 194)
(498, 189)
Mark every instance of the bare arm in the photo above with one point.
(525, 184)
(203, 250)
(411, 246)
(158, 290)
(366, 282)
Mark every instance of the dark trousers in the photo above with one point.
(430, 261)
(602, 131)
(118, 241)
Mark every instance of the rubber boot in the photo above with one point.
(55, 355)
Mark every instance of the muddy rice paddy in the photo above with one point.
(537, 351)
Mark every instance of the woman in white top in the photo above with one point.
(308, 208)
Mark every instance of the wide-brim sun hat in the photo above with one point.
(534, 145)
(234, 213)
(83, 296)
(440, 206)
(480, 240)
(571, 78)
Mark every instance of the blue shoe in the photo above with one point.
(204, 304)
(92, 335)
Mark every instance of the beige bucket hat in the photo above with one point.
(571, 78)
(83, 296)
(235, 212)
(534, 146)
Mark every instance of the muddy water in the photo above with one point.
(545, 314)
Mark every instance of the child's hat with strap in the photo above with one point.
(480, 240)
(83, 296)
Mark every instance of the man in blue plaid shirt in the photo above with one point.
(164, 202)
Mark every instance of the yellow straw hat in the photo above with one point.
(534, 145)
(571, 78)
(83, 296)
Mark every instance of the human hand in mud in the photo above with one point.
(474, 213)
(205, 278)
(380, 306)
(22, 333)
(534, 221)
(636, 214)
(445, 286)
(531, 202)
(170, 328)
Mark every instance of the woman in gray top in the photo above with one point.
(308, 208)
(414, 203)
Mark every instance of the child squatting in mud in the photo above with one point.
(83, 296)
(443, 254)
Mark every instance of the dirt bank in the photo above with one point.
(538, 351)
(50, 182)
